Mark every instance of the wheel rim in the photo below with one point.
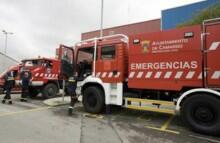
(51, 91)
(92, 101)
(204, 115)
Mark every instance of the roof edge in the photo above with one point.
(121, 26)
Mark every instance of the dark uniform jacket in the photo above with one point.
(72, 83)
(25, 81)
(9, 81)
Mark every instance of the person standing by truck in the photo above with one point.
(9, 84)
(25, 82)
(71, 88)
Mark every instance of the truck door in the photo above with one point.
(66, 56)
(212, 45)
(110, 64)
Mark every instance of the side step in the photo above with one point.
(167, 107)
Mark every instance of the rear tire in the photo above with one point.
(201, 113)
(49, 90)
(93, 100)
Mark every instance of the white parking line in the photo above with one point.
(205, 138)
(25, 111)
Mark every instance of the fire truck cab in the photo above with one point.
(48, 74)
(106, 61)
(44, 75)
(174, 71)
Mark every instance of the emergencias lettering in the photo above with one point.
(165, 65)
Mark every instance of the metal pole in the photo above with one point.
(94, 59)
(6, 40)
(101, 19)
(63, 94)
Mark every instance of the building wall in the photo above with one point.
(174, 16)
(6, 62)
(136, 28)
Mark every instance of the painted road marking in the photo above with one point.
(159, 129)
(167, 123)
(93, 116)
(25, 111)
(205, 138)
(164, 127)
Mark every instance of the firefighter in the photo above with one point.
(25, 82)
(9, 84)
(83, 67)
(71, 88)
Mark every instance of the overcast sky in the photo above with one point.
(39, 26)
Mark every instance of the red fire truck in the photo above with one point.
(47, 73)
(173, 71)
(15, 69)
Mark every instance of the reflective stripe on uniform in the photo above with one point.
(10, 78)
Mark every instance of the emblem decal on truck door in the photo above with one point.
(145, 46)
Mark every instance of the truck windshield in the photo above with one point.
(84, 61)
(33, 63)
(85, 54)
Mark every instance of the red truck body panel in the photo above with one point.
(44, 74)
(113, 70)
(212, 45)
(172, 60)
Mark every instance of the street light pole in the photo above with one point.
(101, 19)
(6, 39)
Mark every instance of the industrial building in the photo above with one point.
(174, 16)
(6, 62)
(135, 28)
(170, 18)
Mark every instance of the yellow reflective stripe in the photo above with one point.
(167, 111)
(167, 103)
(10, 78)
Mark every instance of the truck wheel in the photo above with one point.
(49, 90)
(201, 113)
(93, 100)
(33, 92)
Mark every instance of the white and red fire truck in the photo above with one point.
(177, 68)
(47, 74)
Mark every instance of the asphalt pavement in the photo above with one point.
(36, 122)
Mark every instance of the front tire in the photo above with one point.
(201, 113)
(49, 90)
(93, 100)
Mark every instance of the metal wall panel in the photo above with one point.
(6, 62)
(174, 16)
(130, 29)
